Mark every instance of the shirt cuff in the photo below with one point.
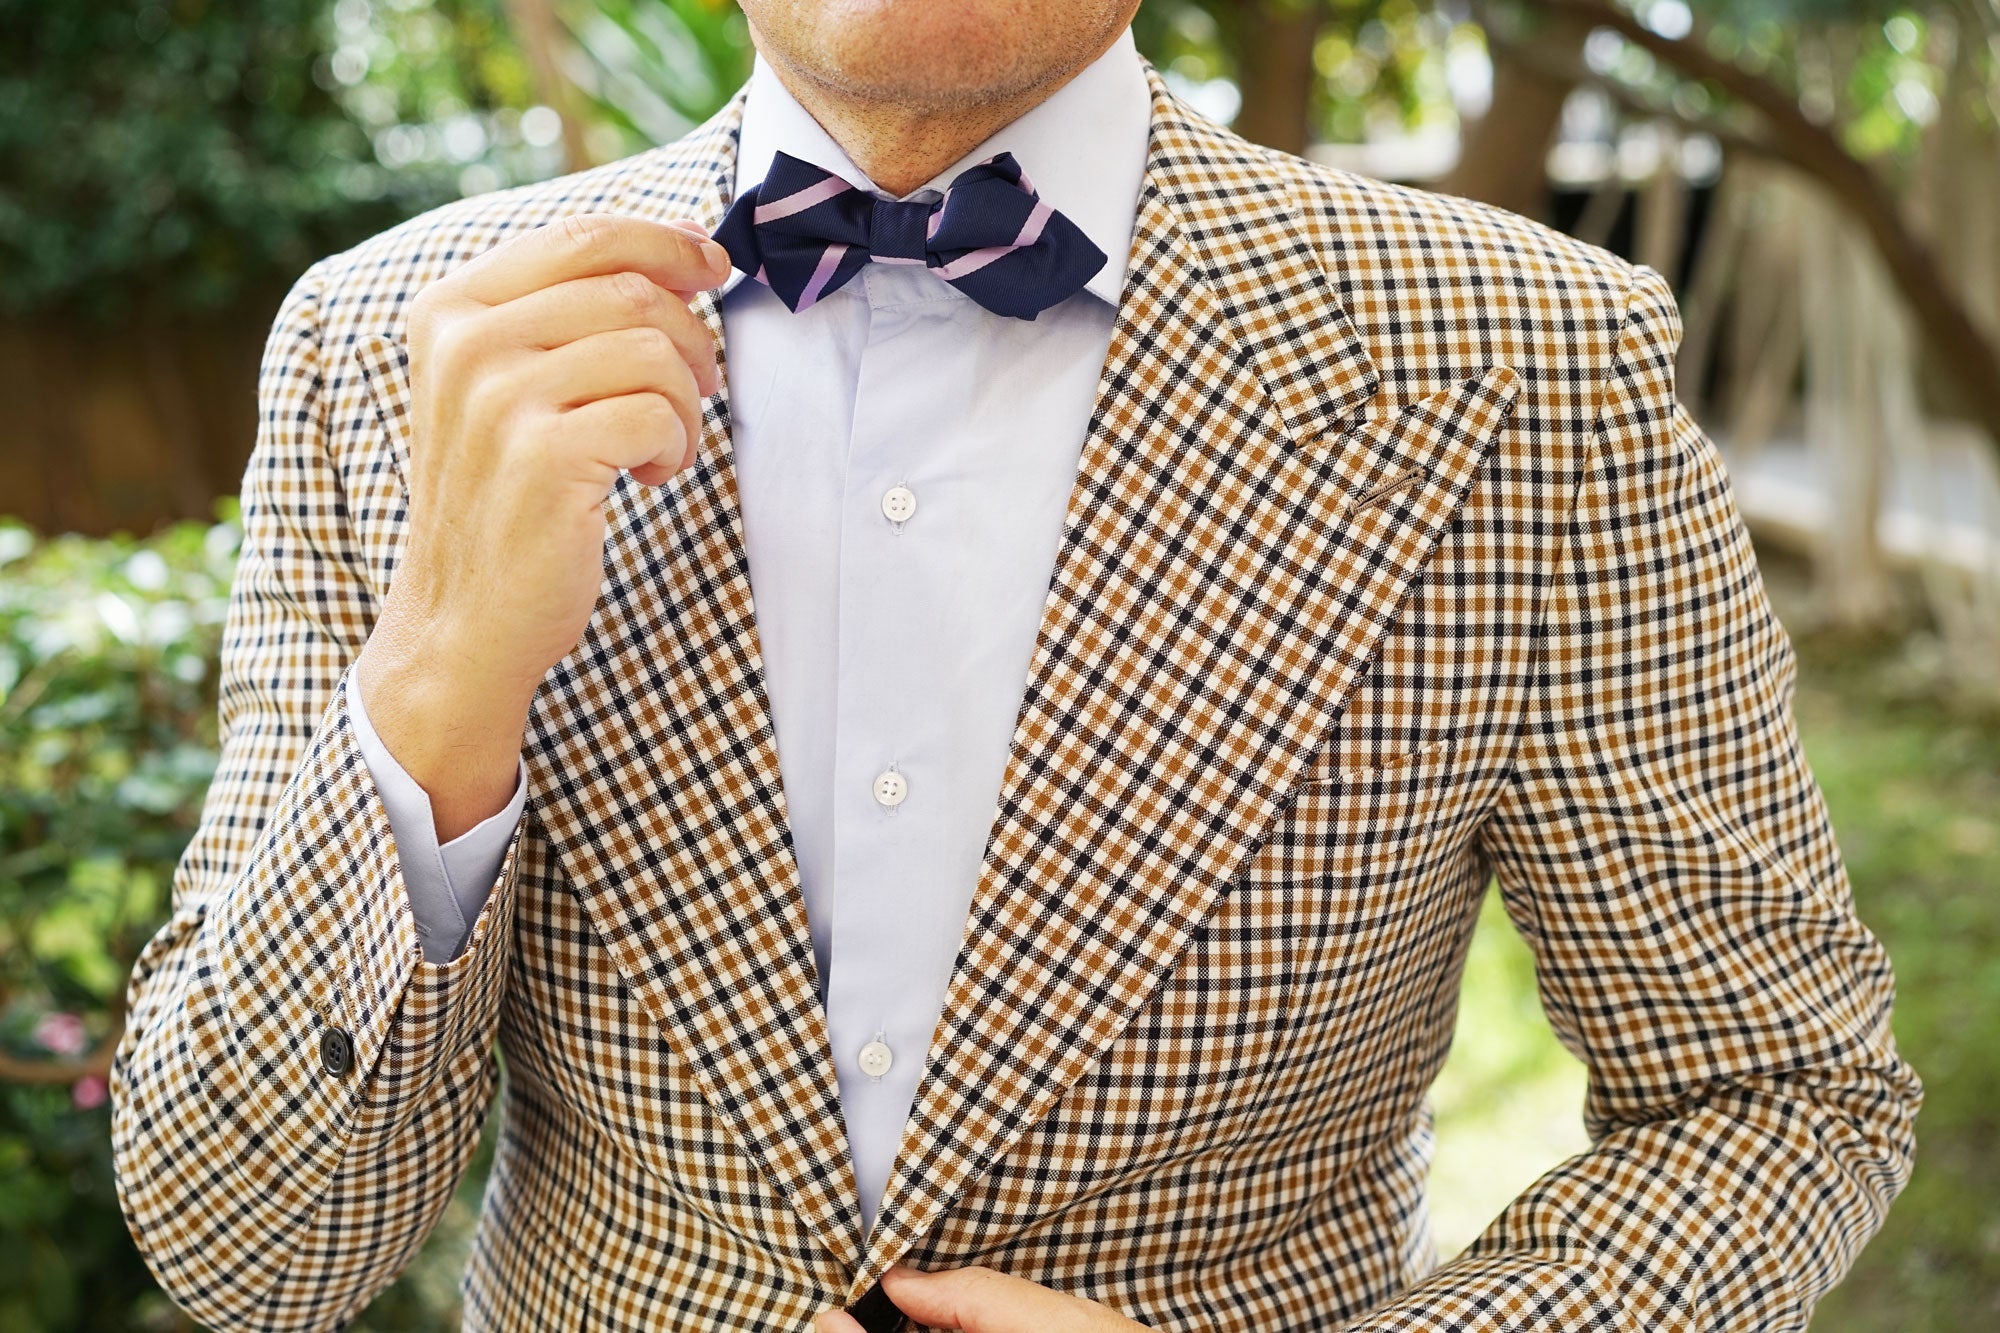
(449, 884)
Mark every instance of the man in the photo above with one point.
(1353, 550)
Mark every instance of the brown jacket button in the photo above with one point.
(336, 1050)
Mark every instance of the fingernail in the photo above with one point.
(718, 258)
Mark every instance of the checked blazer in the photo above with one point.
(1392, 566)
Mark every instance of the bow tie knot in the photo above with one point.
(897, 231)
(804, 232)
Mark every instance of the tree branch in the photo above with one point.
(1729, 136)
(1961, 348)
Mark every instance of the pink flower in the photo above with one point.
(87, 1093)
(61, 1033)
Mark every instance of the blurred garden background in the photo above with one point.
(1820, 179)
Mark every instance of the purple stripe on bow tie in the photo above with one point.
(1031, 231)
(800, 200)
(804, 232)
(823, 274)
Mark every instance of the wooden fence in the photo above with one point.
(121, 425)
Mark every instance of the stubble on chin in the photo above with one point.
(917, 55)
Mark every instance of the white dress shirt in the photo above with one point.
(904, 461)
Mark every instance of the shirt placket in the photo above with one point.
(892, 727)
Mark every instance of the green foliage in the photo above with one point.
(1383, 66)
(107, 744)
(108, 675)
(443, 94)
(66, 1261)
(653, 69)
(184, 153)
(176, 148)
(1873, 70)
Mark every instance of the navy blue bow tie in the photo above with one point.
(804, 232)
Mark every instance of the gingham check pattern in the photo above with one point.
(1391, 564)
(804, 232)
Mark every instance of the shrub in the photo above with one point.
(107, 743)
(108, 673)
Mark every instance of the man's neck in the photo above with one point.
(900, 146)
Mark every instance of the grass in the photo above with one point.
(1915, 794)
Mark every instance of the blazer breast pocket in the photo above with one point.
(1355, 815)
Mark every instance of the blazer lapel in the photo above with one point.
(1237, 539)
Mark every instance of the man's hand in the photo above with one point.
(538, 371)
(982, 1300)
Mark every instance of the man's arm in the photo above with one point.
(1664, 850)
(301, 1086)
(265, 1183)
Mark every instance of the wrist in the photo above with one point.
(449, 662)
(456, 730)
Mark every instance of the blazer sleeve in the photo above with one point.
(298, 1090)
(1664, 850)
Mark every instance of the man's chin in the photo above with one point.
(906, 52)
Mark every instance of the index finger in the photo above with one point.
(588, 245)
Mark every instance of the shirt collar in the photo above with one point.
(1083, 148)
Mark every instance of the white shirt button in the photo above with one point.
(875, 1059)
(898, 503)
(890, 789)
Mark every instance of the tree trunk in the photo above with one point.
(1275, 58)
(540, 35)
(1503, 155)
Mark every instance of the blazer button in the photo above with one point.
(877, 1313)
(336, 1050)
